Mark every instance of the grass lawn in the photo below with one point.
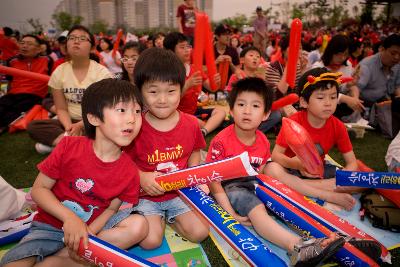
(19, 158)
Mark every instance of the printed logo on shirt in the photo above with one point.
(84, 185)
(78, 210)
(256, 162)
(217, 151)
(74, 95)
(170, 154)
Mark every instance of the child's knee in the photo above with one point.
(197, 233)
(152, 241)
(137, 225)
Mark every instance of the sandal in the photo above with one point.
(311, 253)
(369, 247)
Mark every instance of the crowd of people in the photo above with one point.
(120, 118)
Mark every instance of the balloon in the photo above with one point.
(209, 54)
(284, 101)
(35, 113)
(294, 49)
(198, 49)
(117, 41)
(24, 73)
(301, 144)
(223, 70)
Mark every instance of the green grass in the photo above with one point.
(19, 159)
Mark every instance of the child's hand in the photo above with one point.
(149, 185)
(217, 79)
(242, 220)
(194, 80)
(74, 230)
(205, 188)
(75, 129)
(303, 170)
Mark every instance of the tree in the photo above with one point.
(297, 12)
(36, 25)
(99, 26)
(64, 21)
(321, 9)
(237, 21)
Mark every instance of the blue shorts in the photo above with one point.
(166, 209)
(242, 199)
(44, 240)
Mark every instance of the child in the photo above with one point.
(319, 98)
(82, 184)
(250, 102)
(130, 54)
(178, 43)
(169, 140)
(111, 59)
(250, 58)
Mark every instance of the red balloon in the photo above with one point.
(24, 73)
(117, 41)
(198, 49)
(209, 53)
(301, 144)
(294, 49)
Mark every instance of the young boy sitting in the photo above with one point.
(178, 43)
(318, 97)
(82, 184)
(169, 140)
(250, 102)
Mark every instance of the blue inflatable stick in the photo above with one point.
(384, 180)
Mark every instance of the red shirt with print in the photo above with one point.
(226, 145)
(333, 133)
(153, 150)
(84, 183)
(188, 19)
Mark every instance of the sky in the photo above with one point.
(14, 13)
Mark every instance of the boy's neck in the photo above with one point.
(247, 137)
(220, 46)
(105, 150)
(163, 125)
(249, 72)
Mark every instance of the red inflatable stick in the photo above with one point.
(391, 194)
(301, 144)
(223, 69)
(35, 113)
(284, 101)
(101, 253)
(235, 167)
(209, 54)
(198, 49)
(294, 49)
(24, 73)
(117, 41)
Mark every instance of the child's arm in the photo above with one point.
(64, 117)
(194, 158)
(98, 224)
(278, 156)
(74, 228)
(194, 80)
(351, 161)
(220, 196)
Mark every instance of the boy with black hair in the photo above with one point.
(178, 43)
(82, 184)
(250, 103)
(169, 140)
(318, 90)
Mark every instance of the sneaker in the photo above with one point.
(43, 149)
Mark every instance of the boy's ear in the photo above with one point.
(303, 102)
(266, 115)
(241, 60)
(231, 112)
(93, 120)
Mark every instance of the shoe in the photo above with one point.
(310, 252)
(43, 149)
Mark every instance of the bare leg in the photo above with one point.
(156, 232)
(342, 199)
(27, 262)
(217, 117)
(190, 226)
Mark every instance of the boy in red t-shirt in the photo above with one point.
(169, 140)
(250, 103)
(186, 19)
(319, 98)
(178, 43)
(82, 184)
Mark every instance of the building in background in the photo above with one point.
(138, 14)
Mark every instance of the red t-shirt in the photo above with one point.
(333, 133)
(226, 145)
(8, 48)
(188, 103)
(188, 20)
(84, 183)
(23, 85)
(153, 150)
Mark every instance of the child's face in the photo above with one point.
(182, 50)
(161, 98)
(121, 123)
(78, 44)
(129, 59)
(322, 103)
(251, 60)
(104, 45)
(248, 111)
